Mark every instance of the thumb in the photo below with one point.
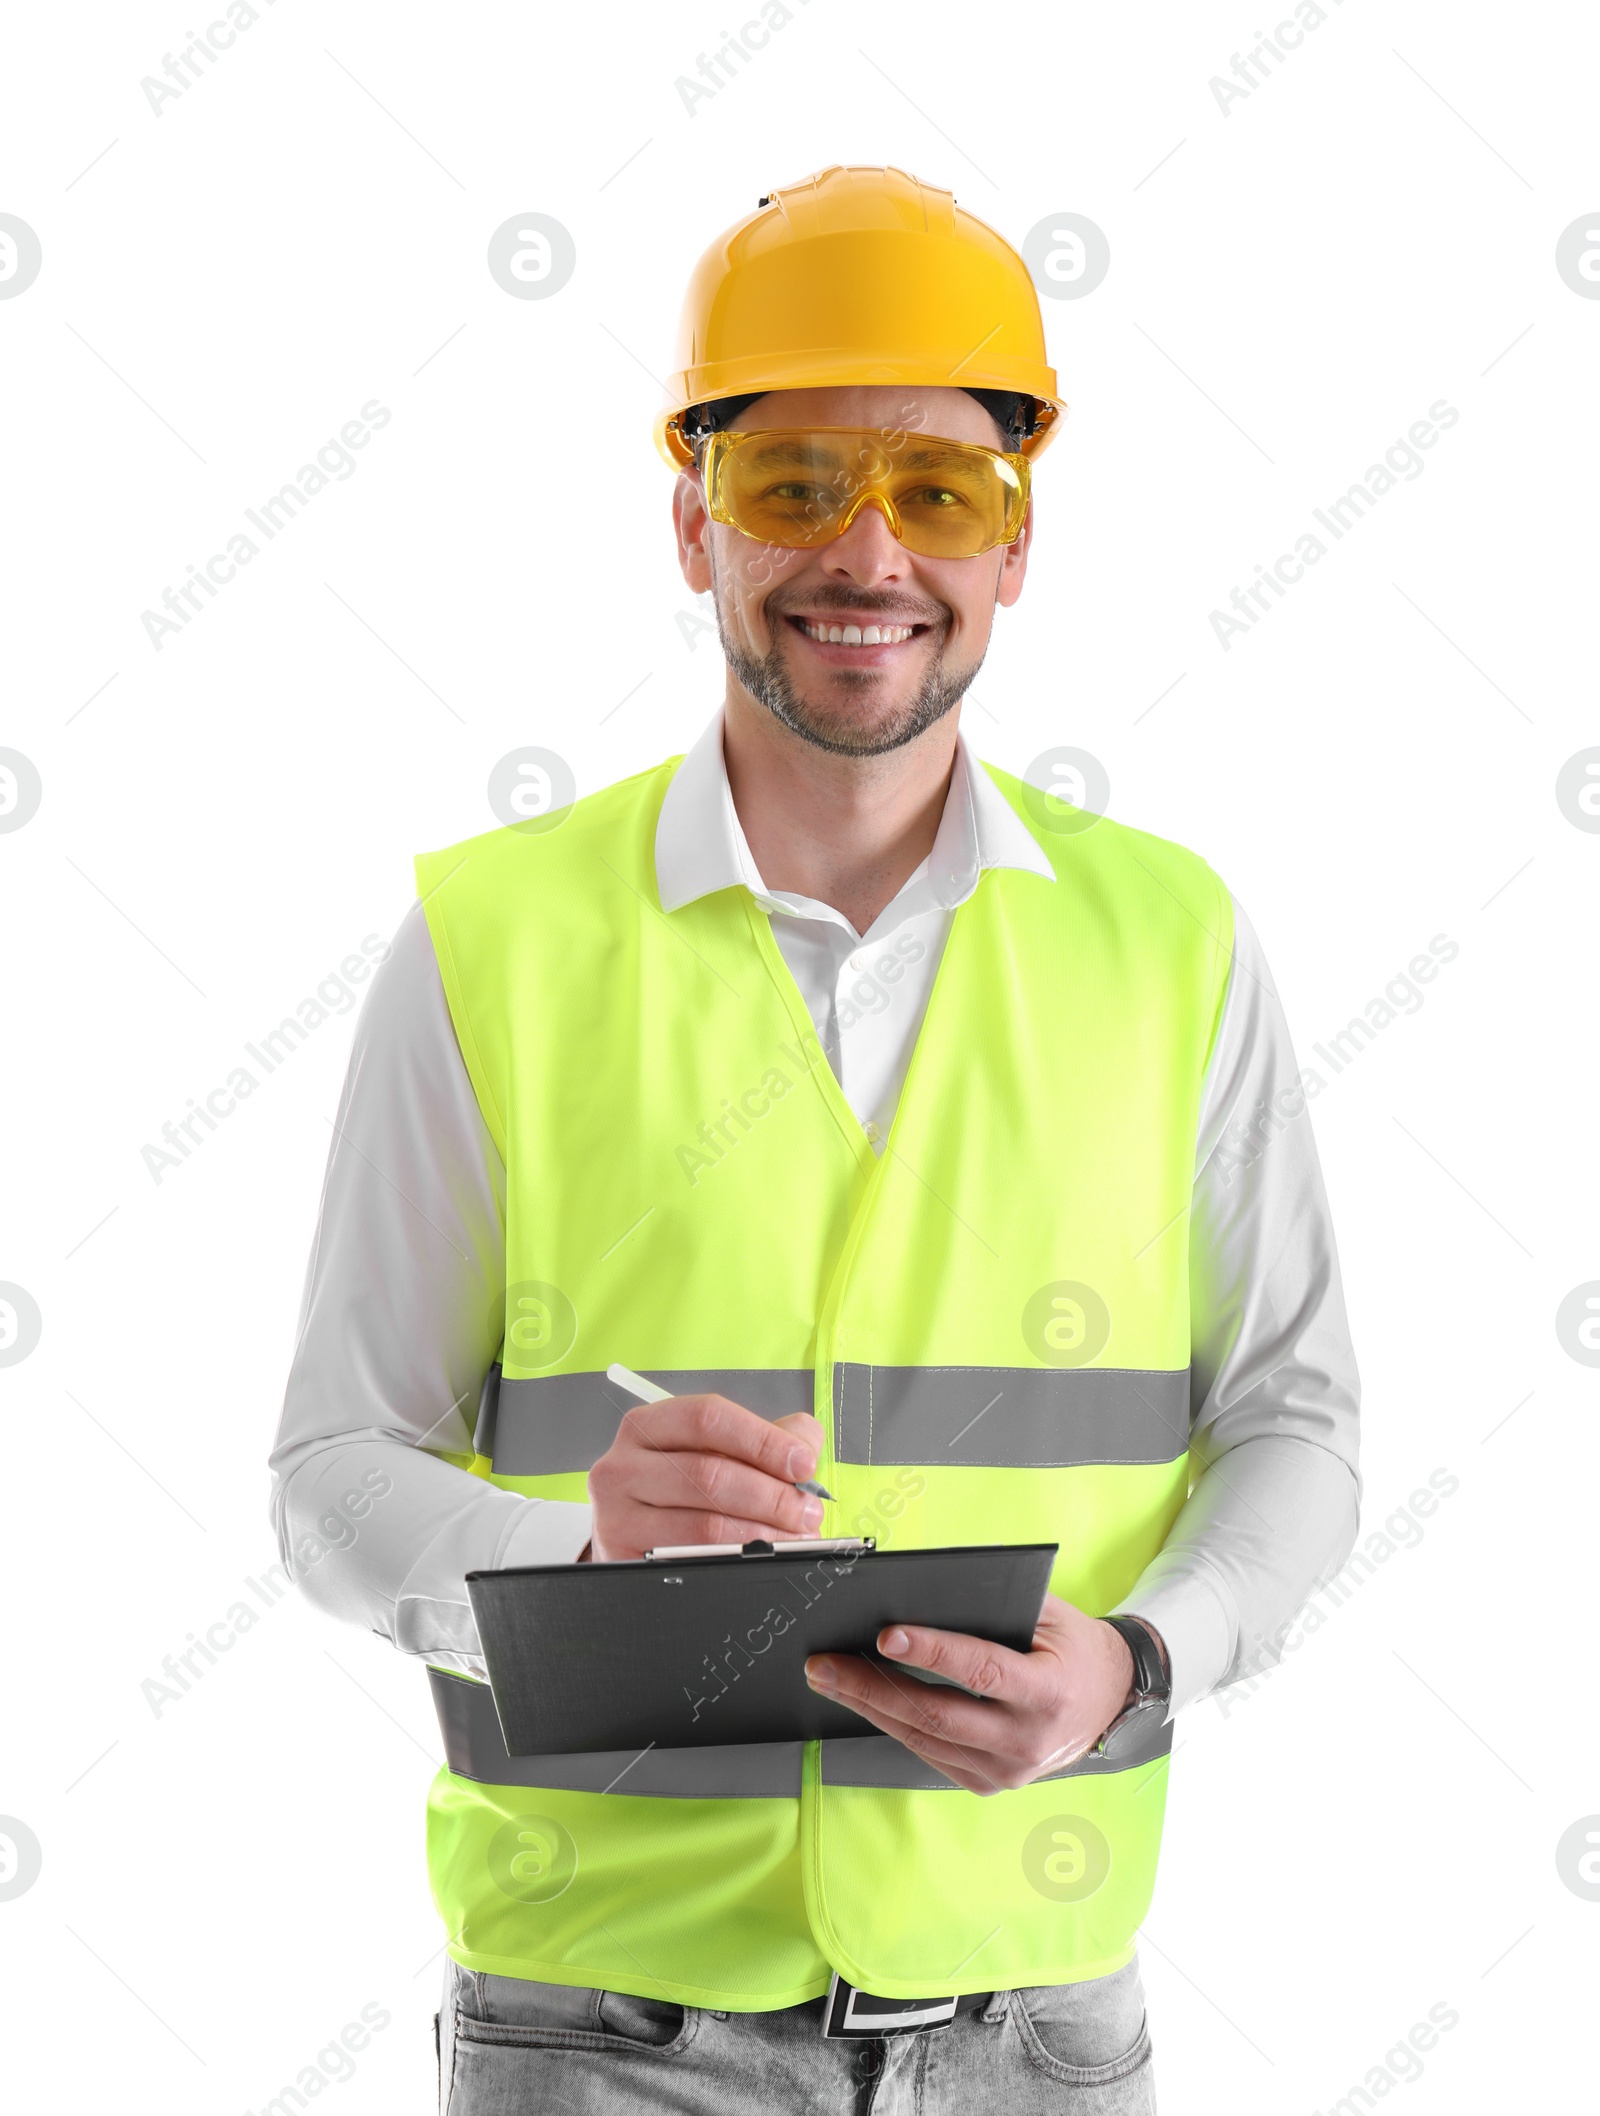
(801, 1426)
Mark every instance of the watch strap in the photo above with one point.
(1150, 1679)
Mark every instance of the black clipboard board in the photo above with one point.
(697, 1651)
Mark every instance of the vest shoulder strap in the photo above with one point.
(478, 896)
(1164, 883)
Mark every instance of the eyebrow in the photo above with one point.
(793, 452)
(813, 453)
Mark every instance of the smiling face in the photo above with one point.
(859, 645)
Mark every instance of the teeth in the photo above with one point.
(856, 635)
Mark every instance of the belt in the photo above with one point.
(852, 2014)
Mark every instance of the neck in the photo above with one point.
(845, 830)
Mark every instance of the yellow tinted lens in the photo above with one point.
(952, 501)
(798, 489)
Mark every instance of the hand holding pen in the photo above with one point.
(648, 1392)
(701, 1469)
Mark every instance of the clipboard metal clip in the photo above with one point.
(797, 1547)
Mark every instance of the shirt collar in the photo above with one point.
(701, 846)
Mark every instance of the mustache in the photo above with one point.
(853, 602)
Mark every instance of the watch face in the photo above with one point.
(1130, 1735)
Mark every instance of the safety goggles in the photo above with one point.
(799, 487)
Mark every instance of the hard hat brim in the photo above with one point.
(677, 454)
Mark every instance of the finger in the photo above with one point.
(978, 1771)
(709, 1485)
(804, 1429)
(956, 1732)
(714, 1425)
(905, 1707)
(976, 1663)
(730, 1487)
(635, 1529)
(969, 1765)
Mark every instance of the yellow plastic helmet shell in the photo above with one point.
(864, 276)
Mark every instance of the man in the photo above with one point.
(925, 1135)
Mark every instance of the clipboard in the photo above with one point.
(697, 1649)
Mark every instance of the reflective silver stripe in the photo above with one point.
(885, 1762)
(488, 1407)
(474, 1747)
(548, 1423)
(1010, 1417)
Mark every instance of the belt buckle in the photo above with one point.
(853, 2015)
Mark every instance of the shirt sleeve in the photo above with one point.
(376, 1523)
(1274, 1392)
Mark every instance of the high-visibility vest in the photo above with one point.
(991, 1322)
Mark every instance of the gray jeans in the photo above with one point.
(509, 2047)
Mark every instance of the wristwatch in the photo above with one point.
(1145, 1710)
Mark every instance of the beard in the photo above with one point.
(851, 728)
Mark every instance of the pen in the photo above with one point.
(647, 1392)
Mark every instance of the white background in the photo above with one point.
(1371, 1830)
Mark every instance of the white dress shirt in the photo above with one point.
(395, 1336)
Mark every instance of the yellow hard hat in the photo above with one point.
(863, 276)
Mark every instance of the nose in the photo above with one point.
(867, 550)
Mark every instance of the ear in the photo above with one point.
(692, 527)
(1014, 562)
